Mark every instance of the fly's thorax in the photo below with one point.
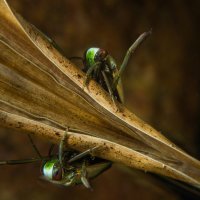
(52, 170)
(94, 55)
(111, 63)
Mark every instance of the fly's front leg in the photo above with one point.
(26, 161)
(89, 73)
(61, 147)
(131, 50)
(21, 161)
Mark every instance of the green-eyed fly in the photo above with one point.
(73, 172)
(69, 167)
(102, 67)
(72, 168)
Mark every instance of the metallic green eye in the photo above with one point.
(90, 55)
(51, 170)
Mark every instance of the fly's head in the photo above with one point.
(93, 56)
(52, 170)
(66, 176)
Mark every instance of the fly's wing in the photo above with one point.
(39, 85)
(120, 90)
(112, 73)
(96, 169)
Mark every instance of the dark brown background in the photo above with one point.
(161, 85)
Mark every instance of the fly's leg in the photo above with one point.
(51, 150)
(89, 73)
(131, 50)
(82, 173)
(84, 179)
(61, 148)
(83, 154)
(34, 146)
(109, 87)
(26, 161)
(16, 162)
(71, 182)
(22, 161)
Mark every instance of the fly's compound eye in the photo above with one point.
(93, 55)
(52, 170)
(90, 54)
(100, 55)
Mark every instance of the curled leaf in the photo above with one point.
(42, 92)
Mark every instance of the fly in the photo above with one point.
(68, 167)
(101, 66)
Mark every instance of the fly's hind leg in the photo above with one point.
(89, 73)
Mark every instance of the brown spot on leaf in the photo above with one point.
(58, 134)
(79, 76)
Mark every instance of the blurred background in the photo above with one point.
(161, 85)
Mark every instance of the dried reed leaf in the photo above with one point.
(42, 92)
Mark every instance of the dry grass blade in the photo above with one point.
(40, 88)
